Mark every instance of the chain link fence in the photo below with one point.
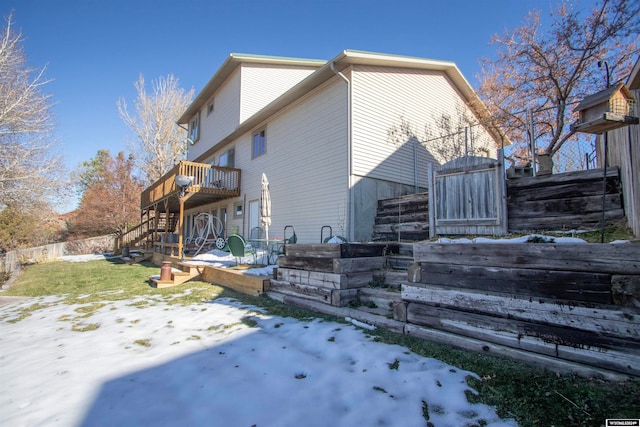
(525, 154)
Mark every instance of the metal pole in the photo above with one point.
(180, 216)
(604, 169)
(415, 165)
(466, 140)
(533, 143)
(604, 185)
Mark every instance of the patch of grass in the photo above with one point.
(143, 342)
(252, 323)
(26, 312)
(394, 365)
(105, 280)
(90, 308)
(79, 327)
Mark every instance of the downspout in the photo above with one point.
(350, 207)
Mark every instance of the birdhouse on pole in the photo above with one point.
(606, 110)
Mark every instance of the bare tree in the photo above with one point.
(160, 141)
(547, 72)
(30, 168)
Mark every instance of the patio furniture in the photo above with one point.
(293, 237)
(326, 239)
(277, 246)
(240, 249)
(257, 237)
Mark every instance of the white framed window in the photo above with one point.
(228, 158)
(194, 128)
(210, 107)
(259, 144)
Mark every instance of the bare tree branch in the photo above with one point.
(547, 72)
(160, 141)
(30, 168)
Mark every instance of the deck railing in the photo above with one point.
(206, 179)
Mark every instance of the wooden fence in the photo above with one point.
(13, 259)
(468, 197)
(572, 303)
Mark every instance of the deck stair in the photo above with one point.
(137, 256)
(179, 275)
(137, 236)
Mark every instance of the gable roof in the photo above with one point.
(227, 68)
(326, 71)
(602, 96)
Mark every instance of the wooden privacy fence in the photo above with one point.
(577, 304)
(469, 197)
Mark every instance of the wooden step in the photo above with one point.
(399, 262)
(180, 275)
(382, 299)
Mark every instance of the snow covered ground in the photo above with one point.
(217, 363)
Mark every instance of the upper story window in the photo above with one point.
(210, 107)
(259, 146)
(194, 128)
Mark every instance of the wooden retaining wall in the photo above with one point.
(563, 201)
(328, 273)
(578, 303)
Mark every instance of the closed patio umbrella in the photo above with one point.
(265, 205)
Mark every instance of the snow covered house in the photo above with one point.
(333, 137)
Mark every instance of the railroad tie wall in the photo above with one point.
(573, 302)
(328, 273)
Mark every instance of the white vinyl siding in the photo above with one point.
(382, 99)
(262, 84)
(306, 165)
(224, 119)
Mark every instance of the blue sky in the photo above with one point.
(95, 50)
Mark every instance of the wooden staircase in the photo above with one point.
(141, 232)
(404, 218)
(183, 273)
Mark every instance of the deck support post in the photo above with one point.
(180, 219)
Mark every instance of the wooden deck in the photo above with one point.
(210, 183)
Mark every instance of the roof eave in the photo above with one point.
(227, 68)
(352, 57)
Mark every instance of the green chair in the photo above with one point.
(239, 248)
